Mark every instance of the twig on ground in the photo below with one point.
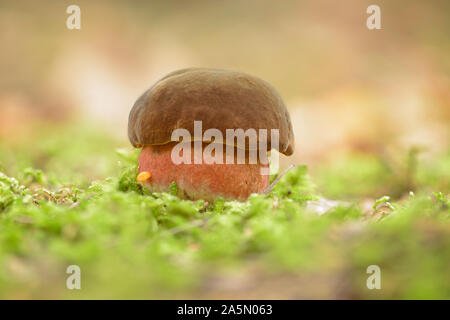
(273, 184)
(192, 224)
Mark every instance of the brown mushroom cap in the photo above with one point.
(221, 99)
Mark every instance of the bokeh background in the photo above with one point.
(347, 88)
(370, 108)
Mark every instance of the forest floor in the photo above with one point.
(71, 199)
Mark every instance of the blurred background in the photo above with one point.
(370, 111)
(380, 95)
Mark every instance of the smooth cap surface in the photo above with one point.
(221, 99)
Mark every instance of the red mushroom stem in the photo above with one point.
(201, 181)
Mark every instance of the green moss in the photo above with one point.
(133, 244)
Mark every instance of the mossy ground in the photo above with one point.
(71, 199)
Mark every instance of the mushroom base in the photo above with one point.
(201, 181)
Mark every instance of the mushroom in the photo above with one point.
(220, 100)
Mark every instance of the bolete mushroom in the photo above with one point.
(221, 100)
